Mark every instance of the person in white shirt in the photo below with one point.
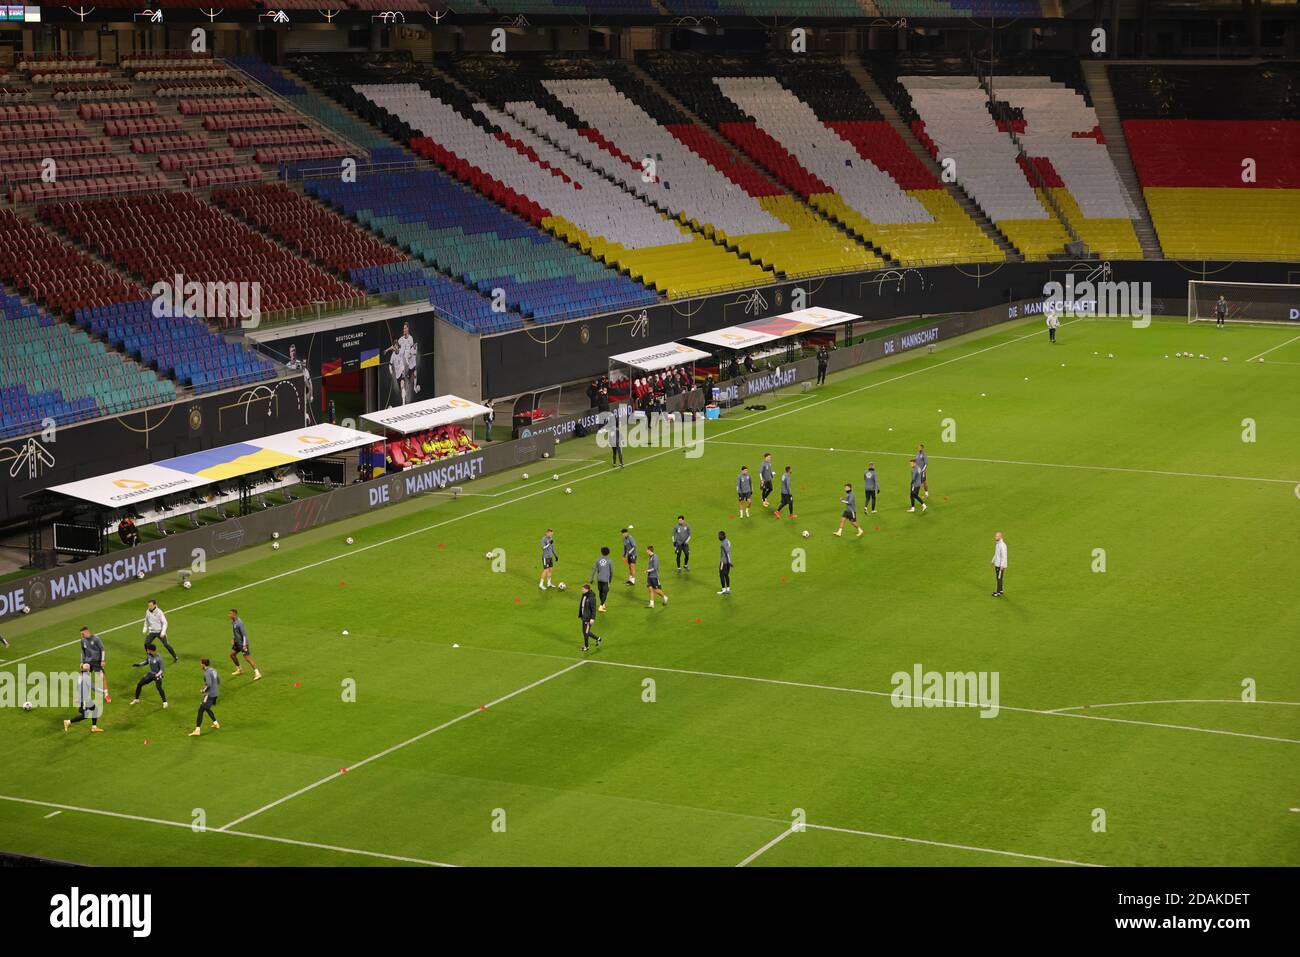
(155, 628)
(1053, 323)
(999, 561)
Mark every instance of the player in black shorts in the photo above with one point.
(850, 513)
(652, 576)
(239, 646)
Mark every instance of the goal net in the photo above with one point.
(1244, 301)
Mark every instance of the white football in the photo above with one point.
(1225, 358)
(275, 534)
(555, 478)
(186, 584)
(546, 455)
(488, 556)
(345, 631)
(1177, 355)
(805, 533)
(1110, 355)
(562, 586)
(349, 539)
(140, 575)
(275, 546)
(27, 706)
(28, 611)
(568, 491)
(525, 475)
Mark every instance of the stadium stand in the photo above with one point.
(164, 234)
(576, 113)
(65, 281)
(464, 235)
(948, 111)
(809, 124)
(52, 371)
(1189, 129)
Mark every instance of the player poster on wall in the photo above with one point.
(399, 349)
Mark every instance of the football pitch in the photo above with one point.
(1144, 657)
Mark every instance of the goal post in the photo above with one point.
(1245, 301)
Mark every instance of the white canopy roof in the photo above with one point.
(660, 357)
(428, 414)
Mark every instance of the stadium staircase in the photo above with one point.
(1103, 101)
(864, 79)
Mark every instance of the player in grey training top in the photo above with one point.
(744, 490)
(93, 654)
(87, 706)
(211, 689)
(724, 564)
(652, 576)
(602, 573)
(918, 478)
(153, 661)
(850, 513)
(682, 543)
(548, 559)
(239, 646)
(765, 478)
(787, 494)
(923, 463)
(629, 555)
(870, 486)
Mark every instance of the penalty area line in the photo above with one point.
(767, 847)
(397, 747)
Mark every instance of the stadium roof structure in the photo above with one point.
(660, 357)
(424, 415)
(144, 482)
(762, 331)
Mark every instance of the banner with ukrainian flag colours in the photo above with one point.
(123, 487)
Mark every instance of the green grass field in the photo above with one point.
(1120, 691)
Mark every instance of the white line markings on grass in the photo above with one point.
(1044, 465)
(890, 694)
(256, 837)
(768, 846)
(397, 747)
(1125, 704)
(1274, 349)
(959, 847)
(53, 814)
(549, 487)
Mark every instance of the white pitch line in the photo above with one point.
(542, 491)
(1043, 465)
(189, 827)
(958, 847)
(397, 747)
(768, 846)
(53, 814)
(1125, 704)
(1274, 349)
(890, 694)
